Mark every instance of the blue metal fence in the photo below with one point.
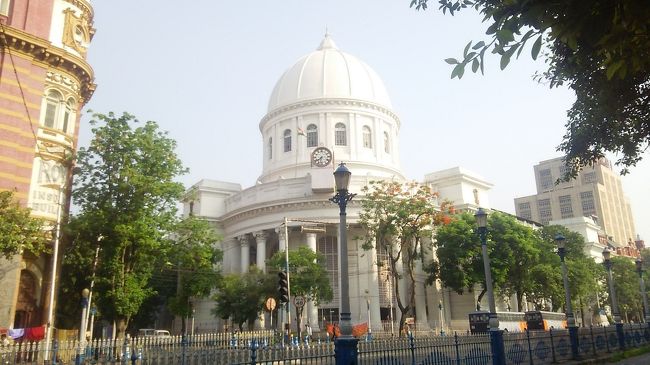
(533, 348)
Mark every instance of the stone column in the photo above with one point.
(281, 239)
(245, 253)
(260, 239)
(312, 310)
(420, 298)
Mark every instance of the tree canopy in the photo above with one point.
(19, 231)
(240, 297)
(599, 49)
(126, 192)
(399, 219)
(308, 276)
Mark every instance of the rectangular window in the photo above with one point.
(524, 210)
(566, 209)
(328, 247)
(589, 177)
(4, 7)
(544, 210)
(588, 206)
(339, 138)
(50, 115)
(545, 179)
(66, 117)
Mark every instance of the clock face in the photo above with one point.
(321, 157)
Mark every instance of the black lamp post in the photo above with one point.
(496, 335)
(616, 315)
(570, 318)
(346, 344)
(639, 269)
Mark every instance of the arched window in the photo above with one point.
(270, 148)
(386, 143)
(57, 113)
(287, 140)
(312, 135)
(367, 137)
(340, 136)
(53, 102)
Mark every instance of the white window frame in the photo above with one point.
(340, 135)
(57, 112)
(312, 135)
(367, 136)
(287, 140)
(4, 7)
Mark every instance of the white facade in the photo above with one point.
(327, 99)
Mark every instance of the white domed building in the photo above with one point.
(329, 107)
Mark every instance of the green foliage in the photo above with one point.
(399, 219)
(18, 230)
(194, 252)
(307, 274)
(126, 192)
(626, 284)
(599, 49)
(240, 297)
(523, 261)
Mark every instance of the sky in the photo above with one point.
(204, 70)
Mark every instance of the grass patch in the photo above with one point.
(629, 353)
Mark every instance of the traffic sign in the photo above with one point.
(299, 301)
(270, 304)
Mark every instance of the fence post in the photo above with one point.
(497, 346)
(593, 342)
(620, 334)
(183, 348)
(55, 349)
(530, 348)
(550, 332)
(457, 348)
(412, 348)
(253, 352)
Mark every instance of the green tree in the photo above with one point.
(127, 193)
(240, 297)
(600, 49)
(18, 230)
(584, 274)
(626, 284)
(399, 219)
(194, 252)
(307, 276)
(514, 251)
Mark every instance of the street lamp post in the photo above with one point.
(496, 335)
(82, 328)
(570, 318)
(639, 269)
(607, 254)
(346, 344)
(55, 259)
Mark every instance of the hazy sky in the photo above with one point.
(204, 70)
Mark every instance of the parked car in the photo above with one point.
(150, 332)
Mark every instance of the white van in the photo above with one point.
(150, 332)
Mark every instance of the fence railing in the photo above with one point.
(267, 347)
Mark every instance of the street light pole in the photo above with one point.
(82, 328)
(55, 260)
(496, 335)
(616, 315)
(570, 318)
(639, 269)
(346, 344)
(442, 328)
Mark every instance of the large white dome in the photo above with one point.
(329, 73)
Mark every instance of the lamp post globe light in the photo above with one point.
(496, 335)
(639, 269)
(82, 328)
(346, 344)
(570, 318)
(616, 315)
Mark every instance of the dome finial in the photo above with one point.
(327, 42)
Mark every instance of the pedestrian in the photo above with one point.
(308, 331)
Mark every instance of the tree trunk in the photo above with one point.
(480, 297)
